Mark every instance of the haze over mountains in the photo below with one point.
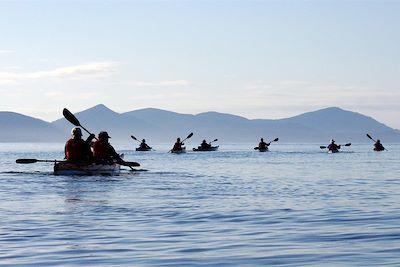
(156, 125)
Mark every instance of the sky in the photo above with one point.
(257, 59)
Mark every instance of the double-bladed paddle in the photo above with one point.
(29, 161)
(323, 147)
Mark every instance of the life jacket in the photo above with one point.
(77, 150)
(177, 146)
(144, 145)
(333, 147)
(262, 145)
(104, 152)
(378, 147)
(205, 145)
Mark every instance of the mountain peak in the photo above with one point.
(332, 109)
(100, 108)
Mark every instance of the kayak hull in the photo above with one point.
(69, 168)
(181, 151)
(333, 151)
(263, 149)
(213, 148)
(143, 149)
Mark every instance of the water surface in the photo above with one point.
(293, 206)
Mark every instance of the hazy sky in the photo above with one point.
(257, 59)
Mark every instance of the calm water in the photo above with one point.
(293, 206)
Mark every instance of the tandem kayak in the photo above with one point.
(69, 168)
(212, 148)
(180, 151)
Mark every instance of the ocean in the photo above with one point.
(293, 206)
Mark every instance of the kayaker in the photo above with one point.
(143, 145)
(205, 145)
(333, 147)
(378, 146)
(103, 151)
(76, 149)
(178, 145)
(262, 144)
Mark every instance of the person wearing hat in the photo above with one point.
(333, 147)
(76, 149)
(103, 151)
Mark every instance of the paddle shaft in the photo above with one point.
(371, 138)
(348, 144)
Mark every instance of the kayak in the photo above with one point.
(199, 148)
(69, 168)
(265, 149)
(378, 149)
(143, 148)
(181, 151)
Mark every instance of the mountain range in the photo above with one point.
(156, 125)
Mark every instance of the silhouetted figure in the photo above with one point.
(333, 147)
(205, 145)
(178, 145)
(76, 149)
(262, 144)
(143, 145)
(103, 151)
(378, 146)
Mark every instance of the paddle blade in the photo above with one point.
(70, 117)
(322, 147)
(26, 161)
(130, 164)
(276, 139)
(215, 140)
(256, 148)
(134, 138)
(190, 135)
(348, 144)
